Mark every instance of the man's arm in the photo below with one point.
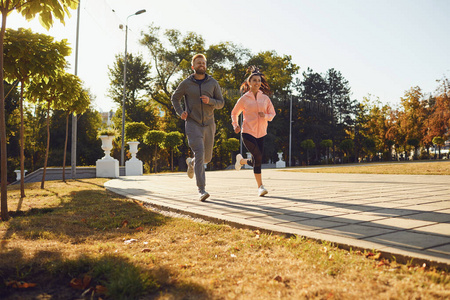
(176, 99)
(217, 100)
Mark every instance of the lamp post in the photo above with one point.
(122, 150)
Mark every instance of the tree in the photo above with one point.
(170, 58)
(27, 55)
(415, 144)
(342, 108)
(55, 93)
(137, 87)
(346, 146)
(172, 141)
(78, 103)
(307, 145)
(135, 131)
(439, 141)
(327, 144)
(156, 138)
(280, 70)
(47, 10)
(414, 114)
(369, 146)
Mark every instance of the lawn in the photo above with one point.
(403, 168)
(77, 240)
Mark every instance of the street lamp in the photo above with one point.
(122, 150)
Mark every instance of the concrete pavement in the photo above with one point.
(406, 216)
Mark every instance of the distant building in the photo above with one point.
(106, 118)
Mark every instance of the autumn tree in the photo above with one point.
(413, 116)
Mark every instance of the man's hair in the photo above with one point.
(197, 56)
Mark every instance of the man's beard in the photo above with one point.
(200, 71)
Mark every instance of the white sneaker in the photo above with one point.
(262, 191)
(203, 195)
(190, 165)
(238, 165)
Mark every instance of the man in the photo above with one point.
(202, 95)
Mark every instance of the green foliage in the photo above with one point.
(347, 146)
(437, 140)
(28, 54)
(231, 144)
(135, 131)
(173, 139)
(155, 137)
(308, 144)
(138, 81)
(326, 143)
(107, 131)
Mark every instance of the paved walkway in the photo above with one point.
(407, 216)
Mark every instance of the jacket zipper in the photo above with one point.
(201, 102)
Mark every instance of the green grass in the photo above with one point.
(116, 248)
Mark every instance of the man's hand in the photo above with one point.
(237, 129)
(205, 99)
(184, 115)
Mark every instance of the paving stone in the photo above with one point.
(403, 215)
(411, 239)
(357, 231)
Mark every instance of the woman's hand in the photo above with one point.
(237, 129)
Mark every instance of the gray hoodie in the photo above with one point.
(198, 111)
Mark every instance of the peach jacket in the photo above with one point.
(249, 106)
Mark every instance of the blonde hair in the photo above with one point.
(197, 56)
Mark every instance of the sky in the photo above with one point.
(382, 48)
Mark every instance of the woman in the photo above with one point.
(257, 109)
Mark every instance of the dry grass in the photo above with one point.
(79, 229)
(403, 168)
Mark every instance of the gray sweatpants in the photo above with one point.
(201, 141)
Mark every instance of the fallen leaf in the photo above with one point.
(76, 283)
(100, 289)
(377, 256)
(146, 250)
(233, 255)
(83, 220)
(20, 284)
(140, 228)
(124, 223)
(86, 281)
(368, 254)
(278, 278)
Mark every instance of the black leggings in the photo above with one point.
(256, 148)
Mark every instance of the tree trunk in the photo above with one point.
(156, 166)
(65, 148)
(171, 159)
(22, 157)
(3, 155)
(48, 145)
